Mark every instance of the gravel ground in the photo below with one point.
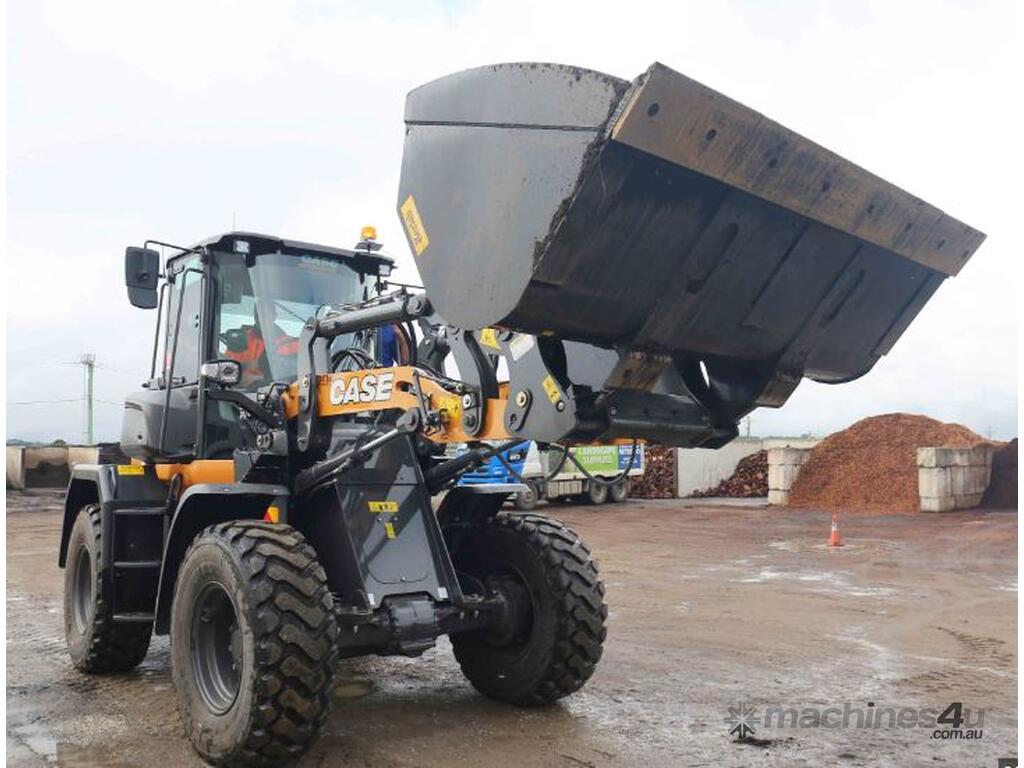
(711, 607)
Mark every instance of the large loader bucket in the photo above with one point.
(660, 216)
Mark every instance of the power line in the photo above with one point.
(63, 400)
(47, 402)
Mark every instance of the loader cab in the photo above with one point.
(242, 297)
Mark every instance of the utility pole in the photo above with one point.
(88, 360)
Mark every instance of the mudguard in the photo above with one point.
(201, 506)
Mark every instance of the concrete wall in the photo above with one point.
(83, 454)
(790, 442)
(15, 472)
(953, 478)
(42, 466)
(784, 464)
(701, 468)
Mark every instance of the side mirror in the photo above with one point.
(227, 373)
(141, 273)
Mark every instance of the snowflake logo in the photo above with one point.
(742, 719)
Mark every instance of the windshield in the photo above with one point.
(261, 308)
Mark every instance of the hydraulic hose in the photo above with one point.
(567, 453)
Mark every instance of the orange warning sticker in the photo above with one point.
(489, 338)
(554, 395)
(414, 226)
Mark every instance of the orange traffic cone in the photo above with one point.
(833, 537)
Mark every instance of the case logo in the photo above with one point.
(368, 388)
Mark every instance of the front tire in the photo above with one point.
(95, 643)
(555, 649)
(253, 644)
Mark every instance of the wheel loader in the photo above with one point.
(603, 262)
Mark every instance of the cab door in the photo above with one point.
(183, 347)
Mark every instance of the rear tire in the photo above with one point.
(253, 644)
(555, 652)
(597, 493)
(95, 643)
(619, 492)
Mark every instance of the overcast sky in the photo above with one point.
(171, 120)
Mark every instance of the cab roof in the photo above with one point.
(363, 261)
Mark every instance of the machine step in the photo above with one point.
(133, 618)
(136, 564)
(141, 511)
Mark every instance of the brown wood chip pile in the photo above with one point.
(872, 465)
(750, 479)
(1002, 487)
(659, 478)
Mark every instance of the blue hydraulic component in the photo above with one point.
(495, 472)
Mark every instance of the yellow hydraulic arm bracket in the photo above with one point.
(404, 388)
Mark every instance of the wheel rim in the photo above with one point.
(515, 627)
(81, 601)
(216, 648)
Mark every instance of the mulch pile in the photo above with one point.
(872, 465)
(659, 478)
(1002, 488)
(750, 479)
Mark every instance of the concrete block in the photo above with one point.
(955, 457)
(937, 503)
(952, 457)
(968, 480)
(967, 500)
(790, 442)
(927, 457)
(782, 476)
(788, 456)
(778, 497)
(15, 467)
(979, 478)
(934, 482)
(982, 455)
(83, 454)
(957, 480)
(941, 457)
(45, 466)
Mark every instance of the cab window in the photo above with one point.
(186, 291)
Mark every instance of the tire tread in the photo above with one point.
(572, 579)
(296, 639)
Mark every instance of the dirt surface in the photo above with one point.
(1002, 487)
(872, 465)
(711, 608)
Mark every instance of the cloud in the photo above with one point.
(133, 120)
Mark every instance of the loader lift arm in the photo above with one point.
(541, 401)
